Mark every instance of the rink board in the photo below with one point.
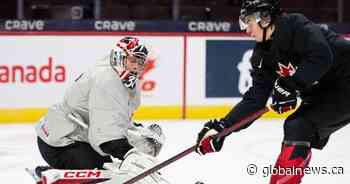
(192, 76)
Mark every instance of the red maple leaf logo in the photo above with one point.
(286, 71)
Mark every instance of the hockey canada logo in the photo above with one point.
(286, 71)
(30, 74)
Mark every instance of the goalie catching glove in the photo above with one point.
(206, 141)
(148, 140)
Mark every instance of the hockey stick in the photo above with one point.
(226, 131)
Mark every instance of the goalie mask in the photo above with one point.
(128, 59)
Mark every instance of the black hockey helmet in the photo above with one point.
(266, 10)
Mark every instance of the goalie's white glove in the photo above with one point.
(148, 140)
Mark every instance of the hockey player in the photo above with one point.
(103, 99)
(293, 57)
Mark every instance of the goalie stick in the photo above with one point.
(226, 131)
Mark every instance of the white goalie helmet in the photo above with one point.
(148, 140)
(128, 59)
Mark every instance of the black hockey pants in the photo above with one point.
(79, 155)
(318, 117)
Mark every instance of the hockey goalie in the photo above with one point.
(147, 143)
(93, 122)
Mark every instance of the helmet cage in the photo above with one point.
(127, 48)
(117, 59)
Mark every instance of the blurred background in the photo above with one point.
(175, 10)
(47, 43)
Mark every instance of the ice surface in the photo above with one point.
(259, 145)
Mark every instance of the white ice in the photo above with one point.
(258, 145)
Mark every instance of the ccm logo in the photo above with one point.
(82, 174)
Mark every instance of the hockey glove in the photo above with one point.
(284, 98)
(206, 143)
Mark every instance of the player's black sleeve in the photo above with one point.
(117, 148)
(314, 49)
(256, 97)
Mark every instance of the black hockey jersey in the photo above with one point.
(312, 57)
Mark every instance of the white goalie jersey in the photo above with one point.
(100, 100)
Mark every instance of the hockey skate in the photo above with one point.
(36, 173)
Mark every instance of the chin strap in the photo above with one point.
(264, 34)
(265, 29)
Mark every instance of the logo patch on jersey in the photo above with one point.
(286, 71)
